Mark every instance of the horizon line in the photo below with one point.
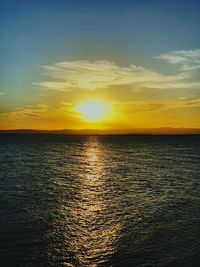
(136, 131)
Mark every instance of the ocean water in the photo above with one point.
(89, 201)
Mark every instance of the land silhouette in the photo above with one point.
(147, 131)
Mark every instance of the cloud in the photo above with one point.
(57, 86)
(2, 93)
(195, 102)
(173, 59)
(39, 116)
(189, 60)
(156, 106)
(101, 74)
(175, 85)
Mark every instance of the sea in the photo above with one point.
(99, 201)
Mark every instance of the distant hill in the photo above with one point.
(149, 131)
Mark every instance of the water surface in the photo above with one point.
(99, 201)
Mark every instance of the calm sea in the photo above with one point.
(92, 201)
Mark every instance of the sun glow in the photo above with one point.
(94, 110)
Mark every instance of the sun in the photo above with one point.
(94, 110)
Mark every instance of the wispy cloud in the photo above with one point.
(2, 93)
(39, 116)
(138, 107)
(101, 74)
(188, 60)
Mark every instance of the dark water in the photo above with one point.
(99, 201)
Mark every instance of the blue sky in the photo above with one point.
(38, 33)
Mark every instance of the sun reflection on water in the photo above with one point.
(93, 232)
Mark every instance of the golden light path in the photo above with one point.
(91, 233)
(94, 110)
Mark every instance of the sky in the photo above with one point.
(141, 57)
